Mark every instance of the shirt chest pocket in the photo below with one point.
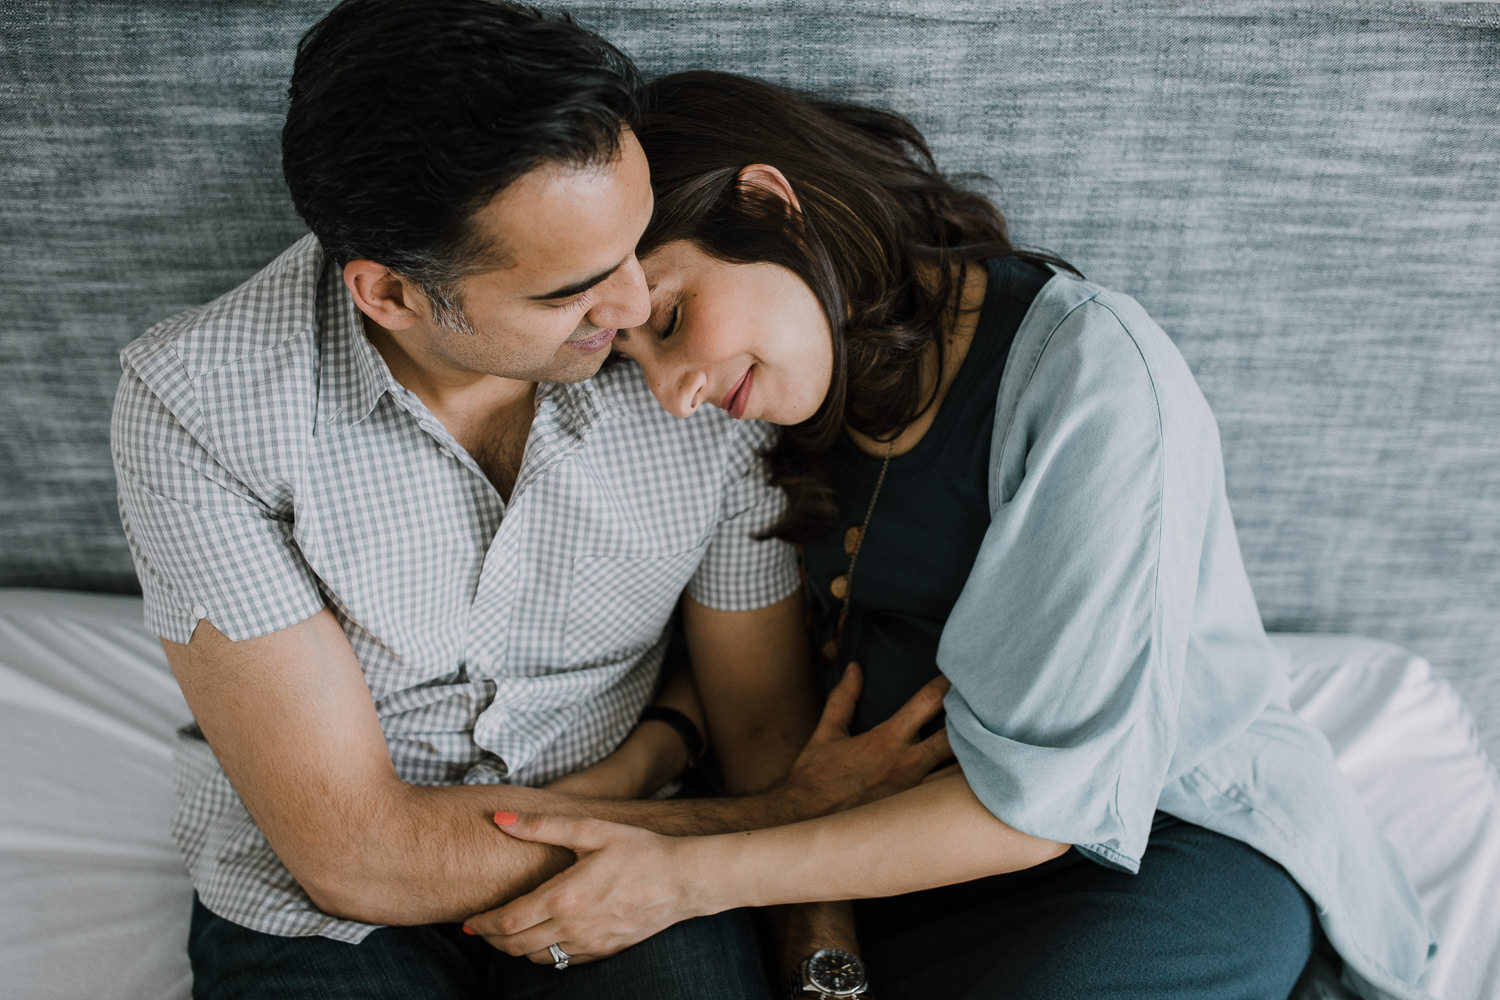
(619, 605)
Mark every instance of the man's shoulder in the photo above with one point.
(628, 400)
(623, 392)
(263, 322)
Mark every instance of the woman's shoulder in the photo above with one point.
(1070, 310)
(1079, 335)
(1091, 369)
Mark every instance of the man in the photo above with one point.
(408, 562)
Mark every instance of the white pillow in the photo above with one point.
(1409, 746)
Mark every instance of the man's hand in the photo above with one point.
(836, 771)
(651, 756)
(628, 883)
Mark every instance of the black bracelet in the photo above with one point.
(691, 738)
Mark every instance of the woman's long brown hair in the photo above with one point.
(882, 238)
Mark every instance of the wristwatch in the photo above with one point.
(831, 972)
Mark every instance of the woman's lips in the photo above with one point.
(597, 342)
(735, 399)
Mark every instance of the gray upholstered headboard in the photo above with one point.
(1306, 195)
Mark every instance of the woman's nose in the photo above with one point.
(679, 388)
(683, 391)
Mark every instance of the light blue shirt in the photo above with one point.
(1107, 655)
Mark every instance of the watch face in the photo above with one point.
(833, 970)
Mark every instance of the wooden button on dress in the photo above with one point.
(851, 540)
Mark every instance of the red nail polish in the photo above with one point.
(506, 818)
(466, 930)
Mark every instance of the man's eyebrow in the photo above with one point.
(577, 288)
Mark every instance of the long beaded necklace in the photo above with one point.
(842, 586)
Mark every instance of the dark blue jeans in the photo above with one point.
(1206, 918)
(710, 957)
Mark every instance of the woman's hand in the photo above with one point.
(627, 884)
(836, 771)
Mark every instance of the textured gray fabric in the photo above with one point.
(1305, 196)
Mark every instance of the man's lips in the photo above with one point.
(735, 399)
(597, 342)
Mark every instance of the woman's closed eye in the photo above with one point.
(628, 342)
(669, 326)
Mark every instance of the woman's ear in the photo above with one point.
(379, 294)
(764, 177)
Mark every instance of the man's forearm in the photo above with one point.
(434, 855)
(291, 719)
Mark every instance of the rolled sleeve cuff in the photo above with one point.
(1062, 794)
(755, 574)
(240, 572)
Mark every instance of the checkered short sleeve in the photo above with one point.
(739, 571)
(205, 547)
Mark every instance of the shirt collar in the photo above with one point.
(354, 376)
(578, 405)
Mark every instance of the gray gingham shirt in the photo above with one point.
(269, 465)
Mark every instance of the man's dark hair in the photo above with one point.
(407, 118)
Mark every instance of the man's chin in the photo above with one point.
(578, 368)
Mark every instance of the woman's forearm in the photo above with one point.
(629, 883)
(937, 833)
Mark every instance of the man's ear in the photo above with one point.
(764, 177)
(380, 294)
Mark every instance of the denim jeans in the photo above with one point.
(1207, 917)
(716, 958)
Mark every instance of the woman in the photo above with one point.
(1005, 473)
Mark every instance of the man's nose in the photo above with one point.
(624, 299)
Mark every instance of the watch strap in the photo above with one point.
(692, 739)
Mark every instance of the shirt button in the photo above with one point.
(445, 452)
(200, 612)
(840, 586)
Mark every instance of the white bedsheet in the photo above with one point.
(95, 902)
